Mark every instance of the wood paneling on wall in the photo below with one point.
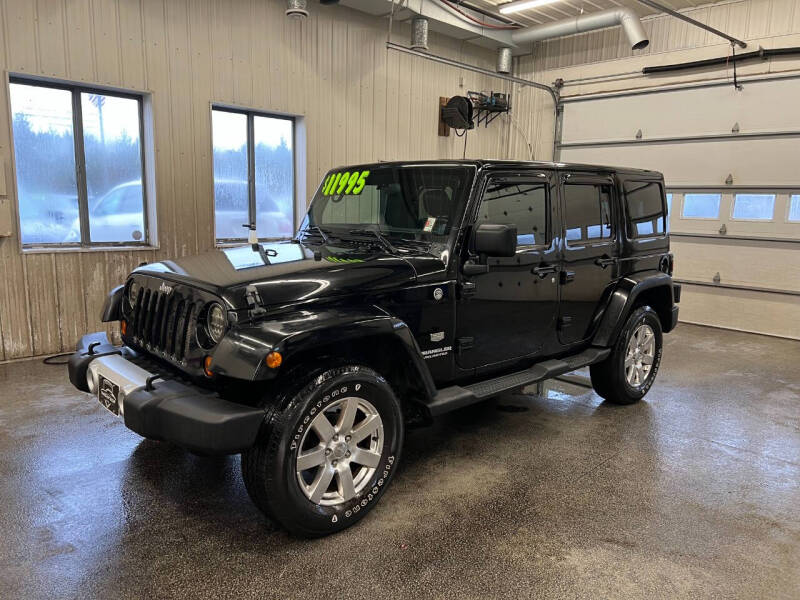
(360, 103)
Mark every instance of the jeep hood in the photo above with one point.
(294, 272)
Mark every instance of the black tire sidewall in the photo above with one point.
(288, 502)
(642, 315)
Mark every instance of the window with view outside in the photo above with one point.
(794, 208)
(245, 141)
(106, 204)
(701, 206)
(758, 207)
(403, 203)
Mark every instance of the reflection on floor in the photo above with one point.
(693, 492)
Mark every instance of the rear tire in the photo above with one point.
(329, 454)
(630, 370)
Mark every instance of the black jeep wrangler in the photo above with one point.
(411, 289)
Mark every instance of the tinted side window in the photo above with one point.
(645, 208)
(588, 212)
(515, 203)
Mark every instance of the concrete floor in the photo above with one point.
(694, 492)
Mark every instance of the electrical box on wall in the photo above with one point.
(5, 205)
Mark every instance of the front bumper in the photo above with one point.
(184, 414)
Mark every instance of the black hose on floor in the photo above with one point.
(53, 360)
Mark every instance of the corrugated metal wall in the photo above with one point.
(745, 19)
(599, 62)
(360, 103)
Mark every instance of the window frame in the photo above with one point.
(779, 227)
(788, 213)
(251, 171)
(735, 195)
(522, 178)
(75, 90)
(613, 201)
(702, 193)
(630, 227)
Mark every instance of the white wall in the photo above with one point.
(604, 63)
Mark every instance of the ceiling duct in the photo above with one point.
(297, 9)
(504, 59)
(419, 33)
(445, 20)
(623, 17)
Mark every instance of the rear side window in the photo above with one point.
(588, 212)
(508, 202)
(645, 208)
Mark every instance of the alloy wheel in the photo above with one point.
(640, 355)
(340, 451)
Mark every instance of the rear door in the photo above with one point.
(590, 252)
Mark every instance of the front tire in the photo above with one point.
(630, 370)
(328, 456)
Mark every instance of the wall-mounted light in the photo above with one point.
(519, 5)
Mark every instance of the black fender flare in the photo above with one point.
(622, 300)
(112, 309)
(242, 352)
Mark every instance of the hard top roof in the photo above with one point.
(509, 164)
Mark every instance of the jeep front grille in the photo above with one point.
(164, 323)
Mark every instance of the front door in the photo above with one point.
(509, 312)
(590, 253)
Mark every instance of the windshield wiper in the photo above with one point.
(316, 229)
(377, 235)
(412, 242)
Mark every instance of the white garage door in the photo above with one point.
(731, 162)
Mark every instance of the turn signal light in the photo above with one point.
(274, 360)
(207, 367)
(123, 327)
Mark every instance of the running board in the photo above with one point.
(456, 396)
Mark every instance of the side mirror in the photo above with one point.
(496, 240)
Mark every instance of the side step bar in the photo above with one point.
(455, 397)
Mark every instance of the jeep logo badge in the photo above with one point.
(165, 289)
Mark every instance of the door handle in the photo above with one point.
(605, 261)
(567, 276)
(543, 270)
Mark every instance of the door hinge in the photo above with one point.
(468, 288)
(464, 343)
(564, 322)
(567, 276)
(254, 303)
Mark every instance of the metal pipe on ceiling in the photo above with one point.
(624, 17)
(666, 9)
(454, 63)
(441, 12)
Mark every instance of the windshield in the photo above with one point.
(422, 203)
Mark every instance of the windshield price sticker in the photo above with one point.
(345, 183)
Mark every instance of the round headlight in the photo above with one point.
(215, 323)
(133, 292)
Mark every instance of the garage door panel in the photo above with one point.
(763, 162)
(772, 314)
(768, 106)
(752, 162)
(773, 265)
